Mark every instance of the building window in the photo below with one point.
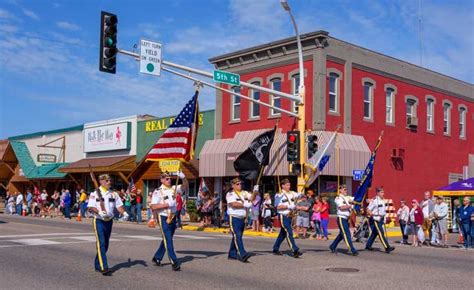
(462, 122)
(446, 119)
(334, 92)
(429, 115)
(368, 97)
(411, 113)
(254, 107)
(389, 98)
(295, 85)
(235, 105)
(275, 100)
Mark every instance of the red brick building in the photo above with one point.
(427, 117)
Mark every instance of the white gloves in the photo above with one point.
(103, 214)
(247, 204)
(181, 175)
(255, 188)
(124, 217)
(292, 207)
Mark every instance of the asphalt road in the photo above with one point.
(58, 254)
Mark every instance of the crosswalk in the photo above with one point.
(7, 241)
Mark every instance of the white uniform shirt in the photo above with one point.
(285, 198)
(111, 200)
(165, 195)
(19, 199)
(340, 201)
(266, 209)
(378, 208)
(232, 196)
(403, 213)
(441, 210)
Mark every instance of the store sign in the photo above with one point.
(163, 124)
(107, 138)
(169, 165)
(51, 158)
(229, 163)
(357, 174)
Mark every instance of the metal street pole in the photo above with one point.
(301, 106)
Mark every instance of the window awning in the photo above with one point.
(102, 164)
(217, 156)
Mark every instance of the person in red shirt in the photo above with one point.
(325, 217)
(179, 208)
(416, 221)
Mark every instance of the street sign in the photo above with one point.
(226, 77)
(357, 174)
(150, 57)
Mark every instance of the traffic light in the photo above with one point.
(108, 42)
(312, 145)
(295, 169)
(293, 146)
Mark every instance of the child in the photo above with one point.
(316, 218)
(267, 213)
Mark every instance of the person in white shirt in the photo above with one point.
(377, 210)
(403, 215)
(440, 214)
(427, 207)
(102, 206)
(344, 205)
(19, 203)
(163, 204)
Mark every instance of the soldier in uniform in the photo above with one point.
(377, 211)
(285, 203)
(344, 205)
(163, 203)
(103, 212)
(238, 204)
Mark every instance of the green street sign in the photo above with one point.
(226, 77)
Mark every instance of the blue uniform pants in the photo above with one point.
(344, 234)
(286, 232)
(237, 227)
(102, 230)
(466, 233)
(167, 232)
(376, 229)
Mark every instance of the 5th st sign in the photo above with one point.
(150, 57)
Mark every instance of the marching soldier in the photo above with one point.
(163, 203)
(344, 207)
(377, 210)
(102, 207)
(285, 203)
(238, 203)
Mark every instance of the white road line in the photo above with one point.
(39, 235)
(90, 238)
(147, 238)
(194, 237)
(35, 242)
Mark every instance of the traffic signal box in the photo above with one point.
(108, 42)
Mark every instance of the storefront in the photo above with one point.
(8, 163)
(146, 174)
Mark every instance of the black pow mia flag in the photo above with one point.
(249, 162)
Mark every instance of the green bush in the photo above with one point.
(192, 211)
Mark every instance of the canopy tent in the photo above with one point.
(459, 188)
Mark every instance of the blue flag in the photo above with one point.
(366, 181)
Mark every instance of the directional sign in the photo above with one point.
(226, 77)
(150, 57)
(357, 174)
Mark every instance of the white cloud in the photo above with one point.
(31, 14)
(68, 26)
(150, 31)
(8, 28)
(4, 14)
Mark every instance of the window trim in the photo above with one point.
(339, 78)
(269, 80)
(254, 81)
(450, 118)
(371, 97)
(232, 105)
(464, 108)
(431, 98)
(392, 87)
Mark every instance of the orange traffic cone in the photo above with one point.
(461, 239)
(79, 217)
(23, 213)
(151, 223)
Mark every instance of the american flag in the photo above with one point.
(178, 141)
(132, 186)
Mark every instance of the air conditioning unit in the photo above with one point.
(398, 153)
(412, 122)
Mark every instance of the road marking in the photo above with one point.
(89, 238)
(194, 237)
(35, 242)
(39, 235)
(147, 238)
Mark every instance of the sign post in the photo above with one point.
(150, 57)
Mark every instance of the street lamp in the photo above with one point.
(301, 110)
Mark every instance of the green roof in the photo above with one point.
(30, 170)
(51, 132)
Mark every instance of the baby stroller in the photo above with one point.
(361, 231)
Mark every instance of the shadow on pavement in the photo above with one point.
(191, 255)
(128, 264)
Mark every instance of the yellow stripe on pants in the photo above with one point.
(164, 239)
(380, 235)
(101, 263)
(344, 235)
(287, 233)
(235, 236)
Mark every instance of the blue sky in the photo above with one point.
(49, 77)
